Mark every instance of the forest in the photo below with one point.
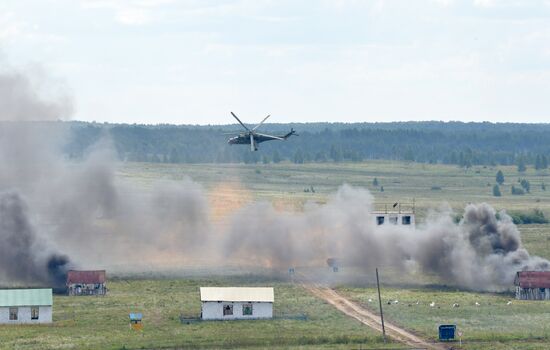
(463, 144)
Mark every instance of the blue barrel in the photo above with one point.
(447, 332)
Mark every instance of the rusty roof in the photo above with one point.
(533, 279)
(86, 277)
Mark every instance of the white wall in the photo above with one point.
(399, 217)
(24, 315)
(213, 310)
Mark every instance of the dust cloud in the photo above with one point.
(57, 214)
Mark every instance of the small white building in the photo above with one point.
(19, 306)
(399, 214)
(236, 303)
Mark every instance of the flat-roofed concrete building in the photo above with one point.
(236, 303)
(19, 306)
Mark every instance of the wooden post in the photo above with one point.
(380, 304)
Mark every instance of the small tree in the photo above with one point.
(375, 182)
(521, 164)
(381, 188)
(517, 191)
(526, 185)
(538, 162)
(500, 177)
(543, 186)
(496, 191)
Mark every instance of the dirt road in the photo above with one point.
(369, 318)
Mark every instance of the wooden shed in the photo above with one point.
(532, 285)
(86, 282)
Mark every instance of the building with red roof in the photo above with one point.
(86, 282)
(532, 285)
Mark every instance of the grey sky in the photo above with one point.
(163, 61)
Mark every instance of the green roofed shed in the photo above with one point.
(26, 297)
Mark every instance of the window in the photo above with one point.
(406, 220)
(228, 310)
(34, 313)
(379, 220)
(13, 313)
(247, 310)
(393, 220)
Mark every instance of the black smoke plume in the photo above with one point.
(21, 253)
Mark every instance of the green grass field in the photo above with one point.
(101, 323)
(401, 181)
(492, 324)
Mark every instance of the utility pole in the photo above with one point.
(380, 303)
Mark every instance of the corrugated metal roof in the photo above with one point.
(533, 279)
(85, 277)
(258, 294)
(25, 297)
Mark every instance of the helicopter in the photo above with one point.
(253, 138)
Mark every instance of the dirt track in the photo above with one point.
(369, 318)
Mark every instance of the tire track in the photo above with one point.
(369, 318)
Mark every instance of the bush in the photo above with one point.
(526, 185)
(500, 177)
(436, 188)
(496, 191)
(517, 191)
(535, 216)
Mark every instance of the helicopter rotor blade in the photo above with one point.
(244, 126)
(257, 126)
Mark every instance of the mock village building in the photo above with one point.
(532, 285)
(86, 282)
(236, 303)
(23, 306)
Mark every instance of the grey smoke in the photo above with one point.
(23, 96)
(21, 257)
(482, 252)
(83, 209)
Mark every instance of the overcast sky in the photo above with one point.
(193, 61)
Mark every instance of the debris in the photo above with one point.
(432, 304)
(455, 305)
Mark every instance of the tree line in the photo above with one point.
(463, 144)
